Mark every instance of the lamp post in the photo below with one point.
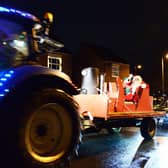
(163, 73)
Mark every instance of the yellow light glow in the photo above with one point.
(48, 16)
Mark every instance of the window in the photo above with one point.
(115, 70)
(55, 63)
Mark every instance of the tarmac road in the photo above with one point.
(126, 149)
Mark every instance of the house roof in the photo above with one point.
(105, 53)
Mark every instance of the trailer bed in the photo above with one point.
(136, 114)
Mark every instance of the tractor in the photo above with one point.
(40, 124)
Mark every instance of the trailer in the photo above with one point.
(109, 107)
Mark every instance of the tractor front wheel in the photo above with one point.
(45, 130)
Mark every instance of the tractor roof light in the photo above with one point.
(19, 12)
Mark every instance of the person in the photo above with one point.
(133, 86)
(127, 84)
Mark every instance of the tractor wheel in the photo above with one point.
(45, 130)
(148, 128)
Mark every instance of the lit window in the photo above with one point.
(55, 63)
(115, 70)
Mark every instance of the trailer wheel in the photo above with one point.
(148, 128)
(47, 130)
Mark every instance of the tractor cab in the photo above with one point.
(23, 36)
(14, 46)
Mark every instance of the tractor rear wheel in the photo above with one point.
(45, 129)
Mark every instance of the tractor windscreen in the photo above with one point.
(13, 44)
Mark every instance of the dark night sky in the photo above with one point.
(134, 30)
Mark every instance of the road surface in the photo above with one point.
(126, 149)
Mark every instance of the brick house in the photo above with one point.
(102, 58)
(87, 56)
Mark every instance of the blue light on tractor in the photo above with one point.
(11, 71)
(21, 13)
(6, 90)
(8, 75)
(3, 80)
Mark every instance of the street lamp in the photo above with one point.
(163, 74)
(136, 68)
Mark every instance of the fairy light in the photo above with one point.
(3, 80)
